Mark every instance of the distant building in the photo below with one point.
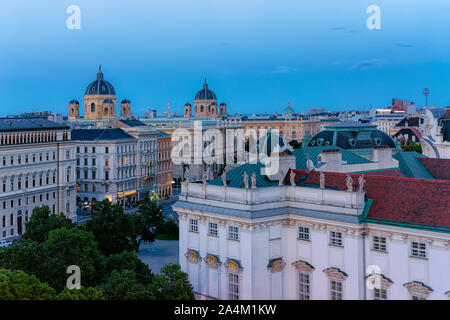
(316, 110)
(205, 105)
(106, 166)
(37, 167)
(164, 165)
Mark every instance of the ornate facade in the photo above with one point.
(100, 102)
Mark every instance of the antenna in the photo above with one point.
(426, 92)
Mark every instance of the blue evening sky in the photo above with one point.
(256, 54)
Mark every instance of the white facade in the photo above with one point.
(106, 169)
(37, 168)
(294, 242)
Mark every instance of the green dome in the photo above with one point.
(288, 109)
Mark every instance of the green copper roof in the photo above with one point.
(313, 152)
(235, 177)
(411, 166)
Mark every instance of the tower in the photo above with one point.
(205, 103)
(125, 108)
(426, 92)
(74, 109)
(187, 110)
(223, 109)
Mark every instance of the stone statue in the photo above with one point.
(280, 178)
(361, 182)
(322, 180)
(224, 178)
(349, 182)
(292, 178)
(253, 180)
(245, 177)
(186, 175)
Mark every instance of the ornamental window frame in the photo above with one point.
(336, 282)
(418, 290)
(233, 233)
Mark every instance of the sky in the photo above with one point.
(257, 55)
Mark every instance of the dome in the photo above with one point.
(187, 104)
(74, 101)
(100, 86)
(126, 101)
(288, 109)
(223, 104)
(205, 93)
(108, 101)
(352, 136)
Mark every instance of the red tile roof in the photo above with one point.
(446, 114)
(439, 168)
(419, 202)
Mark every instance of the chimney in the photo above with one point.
(332, 158)
(382, 155)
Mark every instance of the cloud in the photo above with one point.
(337, 28)
(284, 70)
(365, 64)
(403, 45)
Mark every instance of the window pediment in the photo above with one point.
(418, 288)
(335, 274)
(193, 255)
(276, 265)
(233, 265)
(303, 266)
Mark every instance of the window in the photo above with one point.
(92, 107)
(418, 249)
(335, 238)
(106, 175)
(193, 225)
(93, 149)
(212, 230)
(68, 154)
(106, 162)
(417, 298)
(303, 233)
(379, 243)
(233, 285)
(379, 294)
(335, 290)
(106, 149)
(93, 161)
(233, 233)
(304, 289)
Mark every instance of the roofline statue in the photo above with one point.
(349, 182)
(253, 180)
(245, 178)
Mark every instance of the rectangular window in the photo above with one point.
(304, 289)
(379, 294)
(335, 238)
(303, 233)
(233, 285)
(418, 249)
(379, 243)
(233, 233)
(193, 225)
(212, 230)
(335, 290)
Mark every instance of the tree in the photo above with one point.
(168, 231)
(172, 284)
(26, 255)
(129, 261)
(72, 247)
(412, 146)
(124, 285)
(148, 219)
(81, 294)
(17, 285)
(42, 222)
(113, 230)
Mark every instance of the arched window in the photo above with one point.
(201, 108)
(92, 107)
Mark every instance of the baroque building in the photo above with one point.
(100, 102)
(37, 168)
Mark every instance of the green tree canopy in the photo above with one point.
(17, 285)
(72, 247)
(42, 222)
(148, 220)
(81, 294)
(129, 261)
(125, 286)
(113, 230)
(172, 284)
